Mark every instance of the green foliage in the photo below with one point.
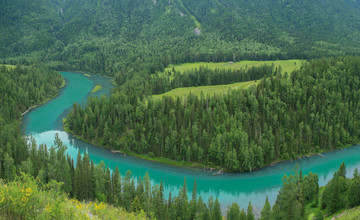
(96, 88)
(205, 77)
(126, 38)
(250, 214)
(350, 214)
(23, 198)
(288, 199)
(335, 194)
(285, 116)
(266, 211)
(311, 187)
(25, 86)
(206, 90)
(233, 212)
(285, 65)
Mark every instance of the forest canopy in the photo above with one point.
(285, 116)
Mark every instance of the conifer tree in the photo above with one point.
(266, 211)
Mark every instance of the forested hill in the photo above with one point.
(114, 36)
(283, 117)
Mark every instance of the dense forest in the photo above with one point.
(21, 88)
(127, 37)
(284, 117)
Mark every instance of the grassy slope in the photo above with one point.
(45, 204)
(9, 66)
(206, 90)
(286, 65)
(344, 214)
(350, 214)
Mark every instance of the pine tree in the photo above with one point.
(250, 214)
(135, 205)
(342, 170)
(266, 211)
(243, 215)
(233, 212)
(108, 187)
(116, 182)
(9, 167)
(216, 214)
(193, 202)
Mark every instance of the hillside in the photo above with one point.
(110, 37)
(25, 199)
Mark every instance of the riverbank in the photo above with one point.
(46, 100)
(214, 170)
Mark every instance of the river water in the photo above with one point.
(45, 121)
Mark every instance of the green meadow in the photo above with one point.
(206, 90)
(8, 66)
(286, 65)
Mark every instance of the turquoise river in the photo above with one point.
(44, 122)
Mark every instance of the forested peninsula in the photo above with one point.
(283, 117)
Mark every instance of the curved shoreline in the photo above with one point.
(217, 169)
(46, 100)
(155, 159)
(228, 188)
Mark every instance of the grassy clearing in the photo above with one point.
(206, 90)
(286, 65)
(344, 214)
(9, 66)
(96, 88)
(350, 214)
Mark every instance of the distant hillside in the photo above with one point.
(106, 36)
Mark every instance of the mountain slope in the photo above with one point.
(106, 36)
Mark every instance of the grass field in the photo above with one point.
(206, 90)
(349, 214)
(286, 65)
(96, 88)
(344, 214)
(8, 66)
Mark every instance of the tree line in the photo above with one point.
(24, 86)
(126, 38)
(204, 76)
(21, 87)
(285, 116)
